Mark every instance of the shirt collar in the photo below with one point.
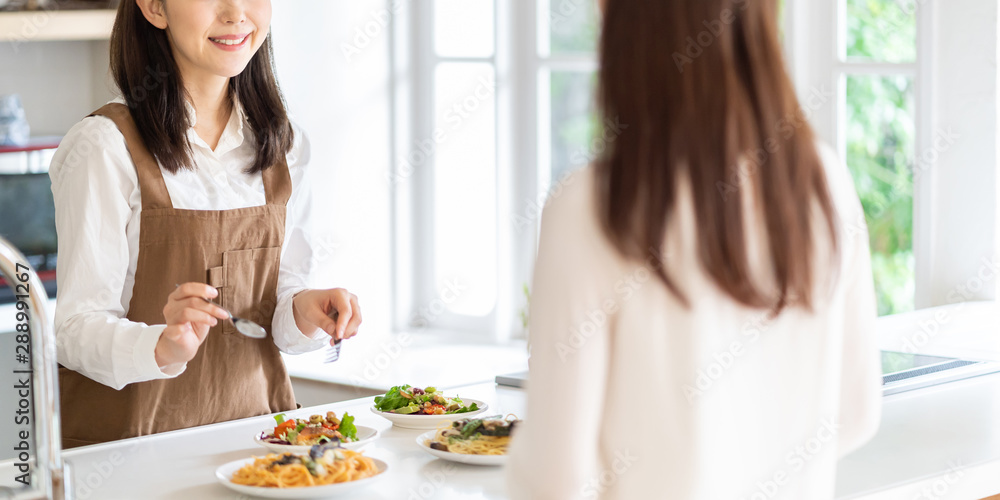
(232, 135)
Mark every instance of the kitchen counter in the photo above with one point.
(941, 442)
(181, 464)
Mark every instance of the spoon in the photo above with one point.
(244, 326)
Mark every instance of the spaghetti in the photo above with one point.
(298, 471)
(487, 436)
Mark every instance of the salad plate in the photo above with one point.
(366, 435)
(298, 435)
(415, 408)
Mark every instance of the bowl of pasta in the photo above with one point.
(326, 471)
(475, 441)
(415, 408)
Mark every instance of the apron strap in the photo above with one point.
(278, 183)
(152, 189)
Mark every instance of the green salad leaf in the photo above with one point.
(347, 427)
(280, 418)
(466, 409)
(392, 399)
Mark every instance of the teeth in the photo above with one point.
(229, 42)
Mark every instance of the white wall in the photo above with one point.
(964, 179)
(59, 82)
(343, 104)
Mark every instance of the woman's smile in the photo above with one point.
(231, 42)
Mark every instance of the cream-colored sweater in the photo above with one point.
(632, 395)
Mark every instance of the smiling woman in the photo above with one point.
(200, 154)
(199, 46)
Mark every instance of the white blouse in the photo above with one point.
(632, 395)
(98, 205)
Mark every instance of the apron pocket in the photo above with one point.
(250, 285)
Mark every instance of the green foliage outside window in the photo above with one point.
(880, 143)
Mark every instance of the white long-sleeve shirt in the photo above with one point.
(98, 205)
(631, 395)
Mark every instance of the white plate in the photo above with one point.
(459, 457)
(365, 436)
(224, 473)
(425, 422)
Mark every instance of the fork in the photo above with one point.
(333, 352)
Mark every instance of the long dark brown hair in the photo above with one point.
(702, 86)
(144, 69)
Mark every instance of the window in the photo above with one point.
(877, 73)
(450, 166)
(566, 76)
(863, 69)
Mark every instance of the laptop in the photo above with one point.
(900, 371)
(905, 371)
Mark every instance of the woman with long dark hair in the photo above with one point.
(190, 188)
(703, 313)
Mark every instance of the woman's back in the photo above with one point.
(636, 394)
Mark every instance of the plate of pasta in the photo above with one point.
(327, 470)
(298, 435)
(476, 441)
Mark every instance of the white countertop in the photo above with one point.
(941, 442)
(181, 464)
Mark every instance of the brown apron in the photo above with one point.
(232, 376)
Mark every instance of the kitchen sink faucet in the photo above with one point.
(50, 476)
